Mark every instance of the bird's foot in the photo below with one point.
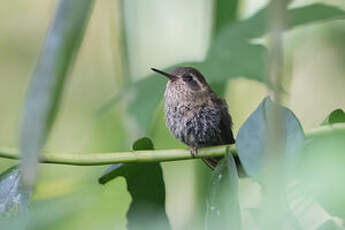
(194, 151)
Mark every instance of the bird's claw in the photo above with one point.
(193, 152)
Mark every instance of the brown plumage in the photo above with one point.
(194, 113)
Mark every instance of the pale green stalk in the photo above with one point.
(145, 156)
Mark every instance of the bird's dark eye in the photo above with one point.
(191, 82)
(188, 79)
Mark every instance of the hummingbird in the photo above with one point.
(194, 113)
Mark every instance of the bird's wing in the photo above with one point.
(225, 123)
(225, 126)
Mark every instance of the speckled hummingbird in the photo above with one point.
(194, 113)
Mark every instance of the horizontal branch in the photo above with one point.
(112, 158)
(146, 156)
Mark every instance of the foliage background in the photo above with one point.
(314, 83)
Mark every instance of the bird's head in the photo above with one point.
(187, 80)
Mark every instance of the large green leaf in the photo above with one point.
(150, 92)
(231, 54)
(322, 169)
(330, 225)
(306, 211)
(59, 211)
(225, 13)
(146, 186)
(336, 116)
(43, 97)
(252, 138)
(51, 212)
(223, 209)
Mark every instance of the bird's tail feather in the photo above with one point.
(212, 164)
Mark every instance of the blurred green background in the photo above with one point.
(159, 34)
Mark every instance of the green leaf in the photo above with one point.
(148, 94)
(330, 225)
(51, 212)
(144, 143)
(59, 211)
(226, 12)
(251, 137)
(322, 170)
(312, 13)
(13, 198)
(223, 210)
(46, 87)
(231, 54)
(223, 62)
(305, 211)
(146, 186)
(337, 116)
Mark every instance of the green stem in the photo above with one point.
(112, 158)
(145, 156)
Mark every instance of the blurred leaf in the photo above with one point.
(226, 12)
(50, 213)
(312, 13)
(111, 173)
(257, 217)
(251, 137)
(13, 198)
(113, 101)
(146, 186)
(223, 62)
(337, 116)
(306, 210)
(330, 225)
(231, 53)
(148, 94)
(223, 210)
(123, 46)
(56, 211)
(322, 170)
(143, 144)
(43, 97)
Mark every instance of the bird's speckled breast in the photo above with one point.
(194, 125)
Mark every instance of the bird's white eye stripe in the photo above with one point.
(191, 81)
(197, 80)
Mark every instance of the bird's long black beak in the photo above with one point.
(168, 75)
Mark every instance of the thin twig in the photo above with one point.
(145, 156)
(117, 157)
